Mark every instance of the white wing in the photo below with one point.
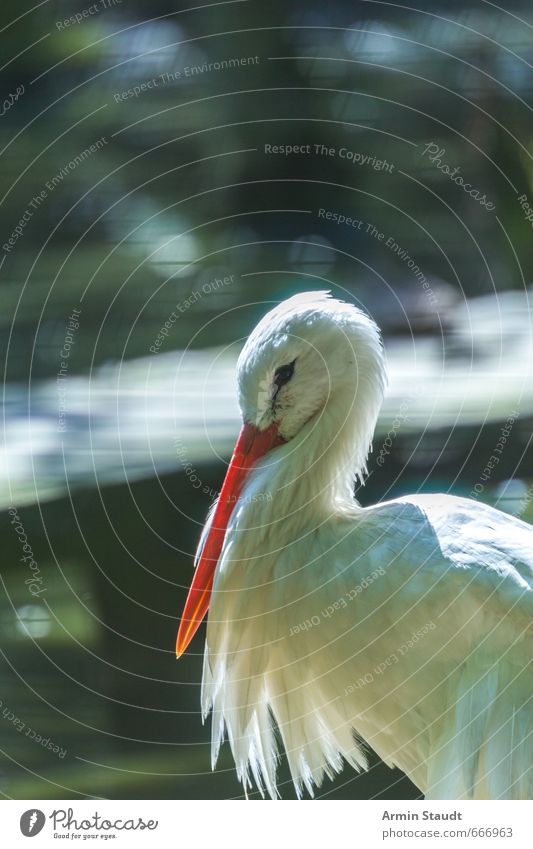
(483, 747)
(388, 623)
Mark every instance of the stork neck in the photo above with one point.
(313, 475)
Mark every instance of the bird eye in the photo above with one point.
(283, 374)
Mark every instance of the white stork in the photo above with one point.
(405, 626)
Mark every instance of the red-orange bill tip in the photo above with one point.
(251, 445)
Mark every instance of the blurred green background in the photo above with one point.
(136, 184)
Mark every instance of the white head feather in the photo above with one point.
(338, 379)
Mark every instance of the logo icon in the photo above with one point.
(32, 822)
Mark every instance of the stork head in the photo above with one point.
(310, 351)
(311, 356)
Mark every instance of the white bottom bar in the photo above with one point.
(268, 825)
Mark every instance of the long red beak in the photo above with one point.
(251, 445)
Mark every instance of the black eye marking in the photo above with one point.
(282, 375)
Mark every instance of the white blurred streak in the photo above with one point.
(127, 420)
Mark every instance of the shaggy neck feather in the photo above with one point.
(283, 495)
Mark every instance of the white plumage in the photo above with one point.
(405, 626)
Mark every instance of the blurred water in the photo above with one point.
(153, 415)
